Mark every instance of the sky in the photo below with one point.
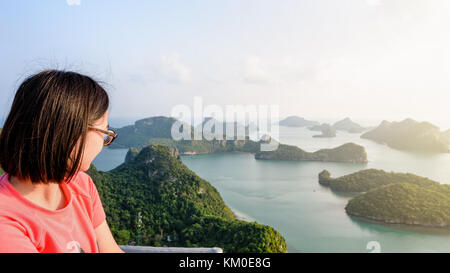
(319, 59)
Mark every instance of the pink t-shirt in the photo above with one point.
(28, 227)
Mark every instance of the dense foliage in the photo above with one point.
(176, 207)
(365, 180)
(349, 152)
(234, 236)
(404, 203)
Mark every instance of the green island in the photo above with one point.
(175, 206)
(394, 198)
(410, 135)
(365, 180)
(157, 131)
(348, 152)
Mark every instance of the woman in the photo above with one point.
(47, 201)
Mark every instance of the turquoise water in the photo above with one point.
(287, 196)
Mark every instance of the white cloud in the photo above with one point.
(174, 70)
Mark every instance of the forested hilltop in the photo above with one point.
(176, 207)
(399, 198)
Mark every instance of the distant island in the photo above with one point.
(326, 129)
(156, 131)
(395, 198)
(177, 208)
(349, 126)
(350, 152)
(346, 125)
(366, 180)
(295, 121)
(410, 135)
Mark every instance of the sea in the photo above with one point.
(287, 196)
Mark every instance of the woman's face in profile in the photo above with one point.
(94, 142)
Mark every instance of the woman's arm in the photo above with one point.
(105, 240)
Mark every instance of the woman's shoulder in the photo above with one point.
(12, 208)
(7, 194)
(81, 184)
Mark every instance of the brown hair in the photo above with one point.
(49, 115)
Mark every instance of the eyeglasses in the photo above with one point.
(108, 137)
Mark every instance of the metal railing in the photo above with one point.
(152, 249)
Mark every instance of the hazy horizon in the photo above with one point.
(322, 60)
(121, 121)
(365, 122)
